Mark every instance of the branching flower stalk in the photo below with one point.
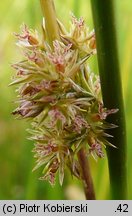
(62, 97)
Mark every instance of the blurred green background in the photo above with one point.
(16, 159)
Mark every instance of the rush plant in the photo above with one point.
(62, 97)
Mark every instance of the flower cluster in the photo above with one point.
(57, 90)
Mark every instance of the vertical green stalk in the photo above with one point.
(76, 7)
(48, 10)
(105, 29)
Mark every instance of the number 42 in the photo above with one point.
(122, 207)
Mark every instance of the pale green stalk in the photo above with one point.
(51, 25)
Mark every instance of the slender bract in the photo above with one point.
(50, 20)
(105, 29)
(76, 7)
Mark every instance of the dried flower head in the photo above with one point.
(57, 90)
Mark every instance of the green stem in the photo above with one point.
(76, 7)
(86, 175)
(49, 14)
(105, 29)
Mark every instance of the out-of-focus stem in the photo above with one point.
(76, 7)
(86, 175)
(51, 25)
(105, 29)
